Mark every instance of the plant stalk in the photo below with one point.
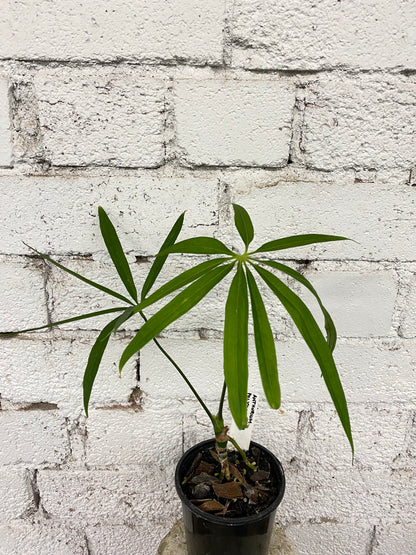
(194, 391)
(242, 453)
(219, 414)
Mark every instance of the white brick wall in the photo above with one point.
(234, 122)
(377, 215)
(100, 118)
(151, 31)
(304, 113)
(359, 122)
(152, 203)
(22, 293)
(137, 496)
(54, 370)
(16, 494)
(33, 438)
(45, 538)
(400, 536)
(316, 539)
(110, 539)
(292, 34)
(5, 144)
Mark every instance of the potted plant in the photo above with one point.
(229, 498)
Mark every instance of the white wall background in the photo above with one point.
(304, 112)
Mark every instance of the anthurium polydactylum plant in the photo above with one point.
(244, 272)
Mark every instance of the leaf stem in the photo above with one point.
(167, 355)
(242, 453)
(219, 414)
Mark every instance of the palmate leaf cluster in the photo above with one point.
(243, 297)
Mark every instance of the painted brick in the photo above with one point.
(359, 122)
(399, 538)
(407, 321)
(332, 208)
(375, 372)
(348, 497)
(200, 360)
(151, 32)
(361, 304)
(126, 539)
(329, 538)
(49, 368)
(101, 117)
(380, 435)
(130, 496)
(32, 438)
(143, 208)
(234, 122)
(22, 294)
(325, 34)
(5, 138)
(16, 495)
(151, 437)
(48, 539)
(412, 438)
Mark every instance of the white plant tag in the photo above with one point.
(243, 437)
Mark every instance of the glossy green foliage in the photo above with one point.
(243, 224)
(244, 293)
(265, 347)
(236, 347)
(116, 253)
(161, 258)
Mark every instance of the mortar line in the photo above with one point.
(301, 260)
(179, 61)
(372, 541)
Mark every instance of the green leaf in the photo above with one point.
(96, 355)
(128, 313)
(243, 224)
(199, 245)
(236, 347)
(160, 259)
(176, 308)
(298, 241)
(115, 250)
(331, 332)
(315, 340)
(67, 321)
(181, 280)
(265, 347)
(81, 278)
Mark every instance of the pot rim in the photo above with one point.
(230, 521)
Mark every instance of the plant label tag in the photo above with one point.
(243, 437)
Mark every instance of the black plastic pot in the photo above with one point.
(208, 534)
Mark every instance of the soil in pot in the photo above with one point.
(229, 517)
(247, 492)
